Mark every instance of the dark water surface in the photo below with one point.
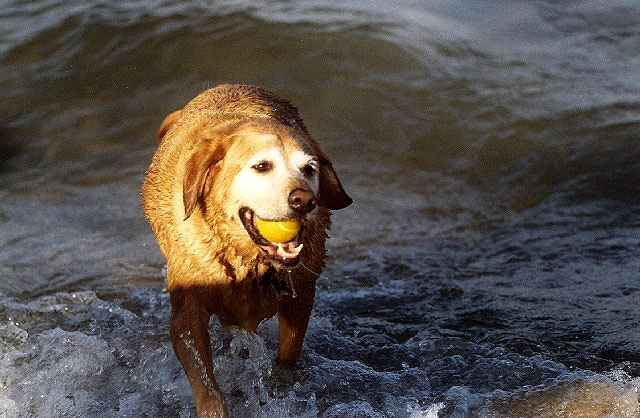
(489, 266)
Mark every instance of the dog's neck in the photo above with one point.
(281, 282)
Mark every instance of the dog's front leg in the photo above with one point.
(190, 338)
(293, 319)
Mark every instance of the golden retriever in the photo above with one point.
(232, 156)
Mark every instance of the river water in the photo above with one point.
(489, 266)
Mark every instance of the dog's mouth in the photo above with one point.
(286, 253)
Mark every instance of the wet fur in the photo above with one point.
(213, 267)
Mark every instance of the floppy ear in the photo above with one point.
(196, 172)
(167, 122)
(331, 192)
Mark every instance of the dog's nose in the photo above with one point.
(302, 201)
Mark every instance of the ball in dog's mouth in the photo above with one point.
(278, 239)
(278, 232)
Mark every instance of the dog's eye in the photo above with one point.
(308, 170)
(263, 166)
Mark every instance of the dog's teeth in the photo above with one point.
(283, 252)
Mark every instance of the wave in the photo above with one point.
(73, 354)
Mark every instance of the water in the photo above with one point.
(489, 266)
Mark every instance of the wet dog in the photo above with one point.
(233, 157)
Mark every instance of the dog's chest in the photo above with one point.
(249, 302)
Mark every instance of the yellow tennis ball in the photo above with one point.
(278, 231)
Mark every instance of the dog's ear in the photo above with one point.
(198, 167)
(331, 192)
(167, 122)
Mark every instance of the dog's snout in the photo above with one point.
(302, 201)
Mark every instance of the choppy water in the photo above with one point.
(489, 267)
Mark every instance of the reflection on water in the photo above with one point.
(488, 267)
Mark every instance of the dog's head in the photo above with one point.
(260, 171)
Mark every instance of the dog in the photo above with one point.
(233, 156)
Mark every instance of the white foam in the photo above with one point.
(77, 355)
(431, 411)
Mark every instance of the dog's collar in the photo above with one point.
(283, 286)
